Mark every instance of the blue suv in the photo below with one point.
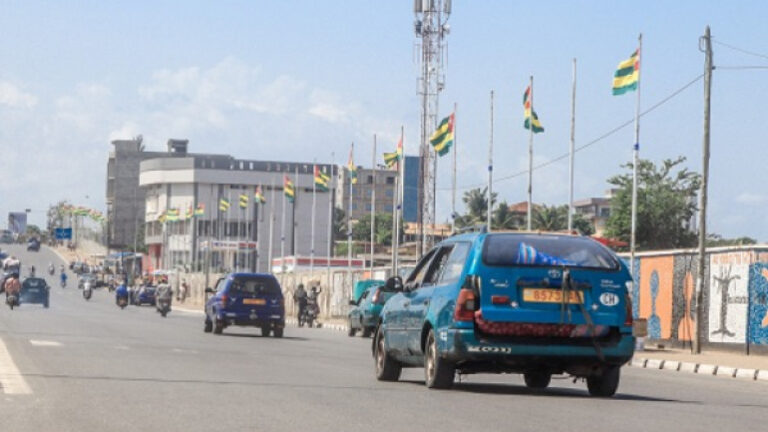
(246, 299)
(532, 303)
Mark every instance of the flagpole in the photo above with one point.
(228, 231)
(373, 203)
(635, 158)
(490, 173)
(530, 157)
(398, 204)
(453, 178)
(237, 248)
(572, 149)
(294, 228)
(314, 202)
(271, 225)
(254, 229)
(349, 219)
(331, 192)
(282, 235)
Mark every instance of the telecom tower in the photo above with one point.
(431, 27)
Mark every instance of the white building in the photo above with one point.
(238, 238)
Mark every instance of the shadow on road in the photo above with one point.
(258, 336)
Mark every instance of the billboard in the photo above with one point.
(17, 222)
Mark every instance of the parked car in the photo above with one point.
(34, 290)
(144, 295)
(532, 303)
(364, 314)
(33, 245)
(362, 285)
(246, 299)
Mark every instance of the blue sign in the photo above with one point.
(63, 233)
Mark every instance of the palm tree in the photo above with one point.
(476, 201)
(550, 218)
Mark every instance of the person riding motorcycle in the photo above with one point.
(11, 263)
(164, 291)
(63, 279)
(300, 297)
(32, 271)
(12, 285)
(121, 292)
(51, 268)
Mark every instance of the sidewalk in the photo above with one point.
(720, 363)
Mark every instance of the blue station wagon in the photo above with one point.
(248, 300)
(537, 304)
(364, 313)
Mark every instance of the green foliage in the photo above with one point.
(476, 202)
(341, 249)
(714, 240)
(665, 204)
(339, 224)
(361, 231)
(555, 218)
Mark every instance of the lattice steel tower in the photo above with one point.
(431, 28)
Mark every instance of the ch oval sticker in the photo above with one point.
(609, 299)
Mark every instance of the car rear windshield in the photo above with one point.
(546, 251)
(255, 286)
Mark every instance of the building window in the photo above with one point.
(368, 207)
(605, 212)
(354, 206)
(390, 180)
(370, 179)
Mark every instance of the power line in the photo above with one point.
(594, 141)
(741, 67)
(741, 50)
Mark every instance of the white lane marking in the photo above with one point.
(11, 380)
(190, 311)
(37, 342)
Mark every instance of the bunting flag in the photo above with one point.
(627, 74)
(200, 210)
(190, 212)
(161, 217)
(391, 159)
(258, 196)
(223, 204)
(290, 193)
(322, 180)
(442, 138)
(172, 215)
(351, 166)
(537, 127)
(243, 201)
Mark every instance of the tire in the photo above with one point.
(208, 327)
(537, 379)
(164, 313)
(605, 384)
(309, 323)
(218, 327)
(301, 322)
(438, 372)
(45, 305)
(367, 331)
(278, 332)
(265, 331)
(351, 332)
(386, 368)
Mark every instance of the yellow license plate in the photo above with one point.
(254, 301)
(543, 295)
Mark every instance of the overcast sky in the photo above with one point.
(279, 80)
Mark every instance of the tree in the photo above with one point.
(714, 240)
(555, 218)
(361, 231)
(503, 218)
(339, 224)
(665, 205)
(476, 202)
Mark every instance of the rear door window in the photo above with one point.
(455, 264)
(254, 286)
(546, 251)
(437, 265)
(421, 268)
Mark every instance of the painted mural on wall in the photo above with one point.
(683, 298)
(758, 304)
(655, 299)
(728, 296)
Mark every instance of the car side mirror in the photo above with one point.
(209, 290)
(395, 284)
(352, 303)
(411, 286)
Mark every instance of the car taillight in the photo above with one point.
(224, 300)
(465, 306)
(628, 316)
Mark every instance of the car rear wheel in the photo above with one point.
(605, 384)
(351, 332)
(265, 331)
(218, 327)
(367, 332)
(387, 368)
(537, 379)
(278, 332)
(438, 372)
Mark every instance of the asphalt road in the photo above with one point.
(89, 366)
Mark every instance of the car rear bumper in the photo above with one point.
(272, 321)
(463, 346)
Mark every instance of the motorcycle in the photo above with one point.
(51, 270)
(163, 306)
(87, 291)
(12, 300)
(309, 314)
(63, 283)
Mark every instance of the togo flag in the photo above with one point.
(442, 138)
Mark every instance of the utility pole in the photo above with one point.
(708, 67)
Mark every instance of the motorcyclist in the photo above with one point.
(312, 298)
(183, 291)
(11, 263)
(32, 271)
(121, 291)
(63, 279)
(164, 291)
(51, 268)
(300, 297)
(12, 285)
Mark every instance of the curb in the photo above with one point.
(335, 327)
(700, 369)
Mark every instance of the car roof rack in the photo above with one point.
(482, 229)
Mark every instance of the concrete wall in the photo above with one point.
(735, 296)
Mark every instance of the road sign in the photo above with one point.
(63, 233)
